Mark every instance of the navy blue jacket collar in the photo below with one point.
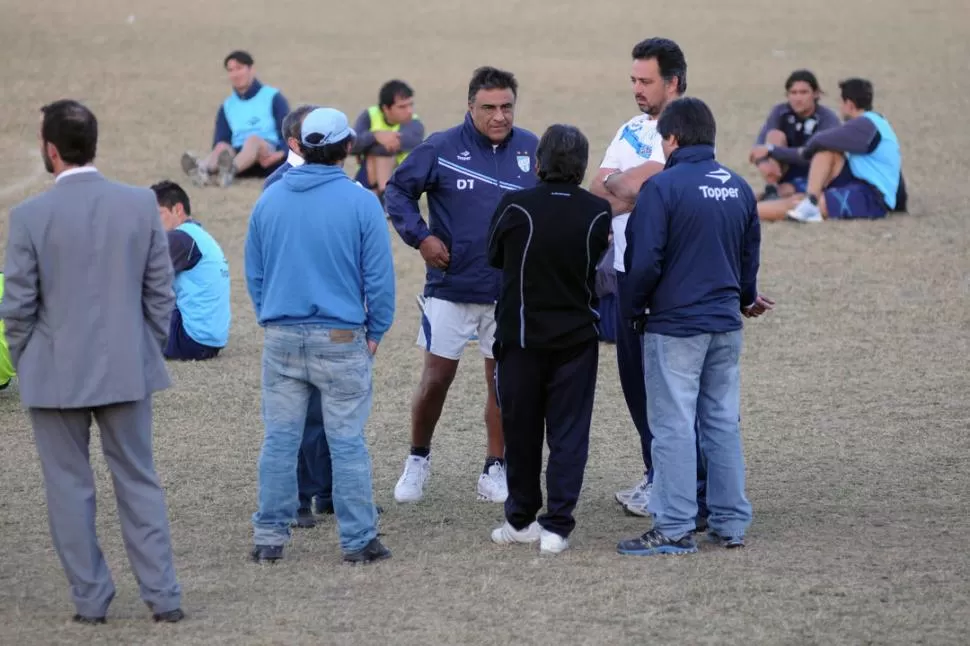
(469, 127)
(690, 154)
(251, 92)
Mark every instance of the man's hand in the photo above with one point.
(435, 253)
(758, 152)
(390, 140)
(372, 346)
(761, 305)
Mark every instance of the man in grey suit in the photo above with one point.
(87, 301)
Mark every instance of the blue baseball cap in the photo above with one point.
(325, 126)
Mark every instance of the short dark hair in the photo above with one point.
(802, 76)
(168, 194)
(857, 90)
(562, 154)
(491, 78)
(689, 120)
(670, 59)
(72, 128)
(240, 56)
(392, 91)
(294, 120)
(327, 155)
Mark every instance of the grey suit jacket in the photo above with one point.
(88, 294)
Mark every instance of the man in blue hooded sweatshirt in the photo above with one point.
(321, 278)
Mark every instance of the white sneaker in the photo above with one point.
(636, 505)
(625, 495)
(410, 486)
(551, 543)
(805, 211)
(492, 486)
(506, 534)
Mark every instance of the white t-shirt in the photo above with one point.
(635, 143)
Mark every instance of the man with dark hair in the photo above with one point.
(856, 169)
(248, 138)
(659, 75)
(325, 296)
(86, 303)
(788, 126)
(202, 314)
(547, 339)
(292, 123)
(693, 246)
(464, 171)
(386, 134)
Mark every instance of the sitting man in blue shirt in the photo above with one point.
(788, 127)
(200, 322)
(248, 139)
(856, 168)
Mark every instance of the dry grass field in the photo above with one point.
(855, 396)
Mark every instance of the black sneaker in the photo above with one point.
(771, 193)
(372, 552)
(304, 518)
(700, 525)
(91, 621)
(267, 553)
(324, 508)
(170, 617)
(728, 542)
(653, 542)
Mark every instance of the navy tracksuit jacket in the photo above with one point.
(464, 176)
(693, 278)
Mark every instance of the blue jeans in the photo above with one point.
(692, 380)
(314, 476)
(297, 358)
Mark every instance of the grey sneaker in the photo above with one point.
(225, 168)
(195, 170)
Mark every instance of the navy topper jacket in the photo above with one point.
(464, 176)
(693, 247)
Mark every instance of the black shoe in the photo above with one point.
(771, 193)
(700, 525)
(727, 542)
(170, 617)
(373, 551)
(81, 619)
(267, 553)
(304, 518)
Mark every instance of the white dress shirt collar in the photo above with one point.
(77, 170)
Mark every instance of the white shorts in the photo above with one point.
(446, 327)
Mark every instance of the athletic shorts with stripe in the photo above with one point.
(447, 327)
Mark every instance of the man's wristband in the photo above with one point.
(607, 178)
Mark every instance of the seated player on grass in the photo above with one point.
(7, 371)
(386, 134)
(788, 127)
(200, 322)
(856, 168)
(248, 140)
